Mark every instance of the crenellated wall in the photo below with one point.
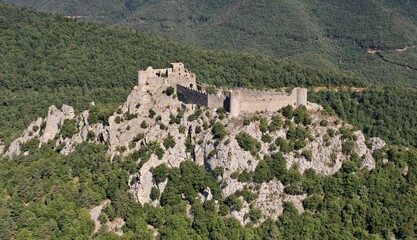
(192, 96)
(250, 101)
(235, 101)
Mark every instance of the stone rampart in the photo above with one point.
(216, 101)
(250, 101)
(191, 96)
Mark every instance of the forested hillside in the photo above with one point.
(331, 34)
(52, 60)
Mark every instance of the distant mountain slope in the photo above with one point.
(334, 34)
(52, 60)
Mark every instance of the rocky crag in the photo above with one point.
(154, 118)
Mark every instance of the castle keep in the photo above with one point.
(235, 101)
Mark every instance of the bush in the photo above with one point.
(30, 146)
(266, 138)
(138, 137)
(181, 129)
(218, 171)
(263, 125)
(169, 91)
(169, 142)
(160, 173)
(254, 214)
(287, 111)
(155, 193)
(248, 143)
(245, 176)
(348, 146)
(276, 123)
(324, 123)
(219, 131)
(152, 113)
(91, 135)
(144, 124)
(307, 154)
(69, 128)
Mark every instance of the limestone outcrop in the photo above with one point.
(165, 127)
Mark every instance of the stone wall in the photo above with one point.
(191, 96)
(216, 101)
(250, 101)
(176, 74)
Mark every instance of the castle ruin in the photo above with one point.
(235, 101)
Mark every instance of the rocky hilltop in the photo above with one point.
(154, 128)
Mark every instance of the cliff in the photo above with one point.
(153, 127)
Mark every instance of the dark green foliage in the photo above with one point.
(69, 128)
(91, 135)
(389, 113)
(130, 116)
(195, 115)
(218, 171)
(301, 115)
(254, 214)
(138, 137)
(144, 124)
(275, 124)
(181, 129)
(307, 154)
(169, 91)
(266, 138)
(245, 176)
(348, 147)
(287, 111)
(263, 124)
(30, 146)
(218, 130)
(324, 123)
(169, 142)
(151, 113)
(160, 173)
(248, 143)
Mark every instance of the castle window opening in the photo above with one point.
(191, 85)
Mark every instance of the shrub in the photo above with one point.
(169, 142)
(245, 176)
(324, 123)
(169, 91)
(138, 137)
(152, 113)
(30, 146)
(287, 111)
(197, 130)
(254, 214)
(91, 135)
(218, 130)
(263, 125)
(160, 173)
(143, 124)
(218, 171)
(118, 119)
(307, 154)
(266, 138)
(155, 193)
(276, 123)
(69, 128)
(181, 129)
(248, 143)
(130, 116)
(348, 146)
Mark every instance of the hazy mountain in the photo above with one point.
(334, 34)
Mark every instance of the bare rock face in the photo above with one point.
(149, 116)
(33, 130)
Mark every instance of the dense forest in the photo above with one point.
(329, 34)
(48, 196)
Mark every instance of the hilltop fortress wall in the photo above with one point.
(235, 101)
(176, 74)
(250, 101)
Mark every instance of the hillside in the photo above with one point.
(46, 57)
(158, 169)
(335, 35)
